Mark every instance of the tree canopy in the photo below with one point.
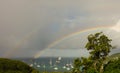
(99, 47)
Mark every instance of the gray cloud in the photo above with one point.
(27, 26)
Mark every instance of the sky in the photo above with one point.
(30, 26)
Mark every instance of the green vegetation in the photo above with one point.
(99, 46)
(14, 66)
(113, 66)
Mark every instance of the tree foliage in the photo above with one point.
(99, 46)
(77, 65)
(112, 66)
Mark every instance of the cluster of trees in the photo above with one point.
(99, 46)
(14, 66)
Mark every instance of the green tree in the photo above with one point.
(77, 65)
(86, 63)
(81, 65)
(99, 46)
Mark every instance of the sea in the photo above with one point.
(50, 64)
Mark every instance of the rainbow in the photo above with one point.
(69, 36)
(9, 53)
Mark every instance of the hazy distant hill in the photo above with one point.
(115, 55)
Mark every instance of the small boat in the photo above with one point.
(50, 62)
(64, 67)
(55, 68)
(68, 68)
(44, 66)
(57, 61)
(35, 63)
(59, 58)
(38, 65)
(31, 65)
(72, 66)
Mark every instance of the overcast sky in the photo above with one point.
(29, 26)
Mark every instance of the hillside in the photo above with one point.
(14, 66)
(113, 56)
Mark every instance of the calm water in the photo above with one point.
(50, 63)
